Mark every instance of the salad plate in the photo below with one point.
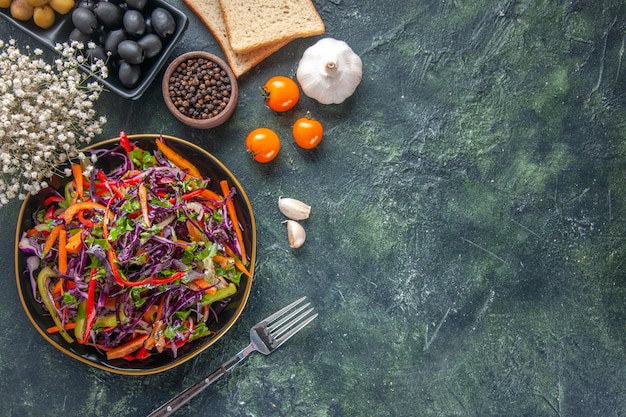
(223, 314)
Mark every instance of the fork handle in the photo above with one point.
(185, 396)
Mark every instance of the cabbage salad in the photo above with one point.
(135, 261)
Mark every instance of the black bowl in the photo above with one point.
(59, 32)
(209, 166)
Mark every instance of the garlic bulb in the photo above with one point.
(295, 234)
(329, 71)
(294, 209)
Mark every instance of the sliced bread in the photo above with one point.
(210, 14)
(252, 24)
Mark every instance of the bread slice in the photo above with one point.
(210, 14)
(253, 24)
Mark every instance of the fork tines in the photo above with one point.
(289, 320)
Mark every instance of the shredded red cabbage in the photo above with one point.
(160, 260)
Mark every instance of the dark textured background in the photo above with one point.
(466, 246)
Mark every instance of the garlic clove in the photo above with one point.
(294, 209)
(296, 234)
(329, 71)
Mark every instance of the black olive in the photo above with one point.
(129, 74)
(163, 22)
(84, 20)
(136, 4)
(113, 39)
(89, 4)
(97, 52)
(134, 23)
(102, 33)
(148, 20)
(78, 36)
(109, 14)
(131, 52)
(151, 44)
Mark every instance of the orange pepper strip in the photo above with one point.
(200, 284)
(224, 261)
(230, 207)
(194, 233)
(62, 252)
(177, 159)
(240, 266)
(77, 171)
(83, 220)
(52, 237)
(72, 210)
(75, 242)
(127, 348)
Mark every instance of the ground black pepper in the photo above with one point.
(199, 88)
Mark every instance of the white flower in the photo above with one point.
(45, 110)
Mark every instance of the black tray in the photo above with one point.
(60, 30)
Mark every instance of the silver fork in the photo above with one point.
(265, 337)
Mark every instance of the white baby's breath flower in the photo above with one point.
(45, 111)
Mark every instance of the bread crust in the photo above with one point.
(210, 13)
(253, 24)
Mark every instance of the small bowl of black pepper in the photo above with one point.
(200, 89)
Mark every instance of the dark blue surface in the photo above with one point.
(466, 247)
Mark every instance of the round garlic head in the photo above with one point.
(329, 71)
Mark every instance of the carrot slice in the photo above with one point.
(57, 290)
(62, 252)
(55, 329)
(157, 337)
(238, 264)
(77, 172)
(52, 238)
(160, 309)
(143, 200)
(211, 195)
(150, 313)
(230, 207)
(127, 348)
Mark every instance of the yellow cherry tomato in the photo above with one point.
(281, 93)
(263, 144)
(307, 132)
